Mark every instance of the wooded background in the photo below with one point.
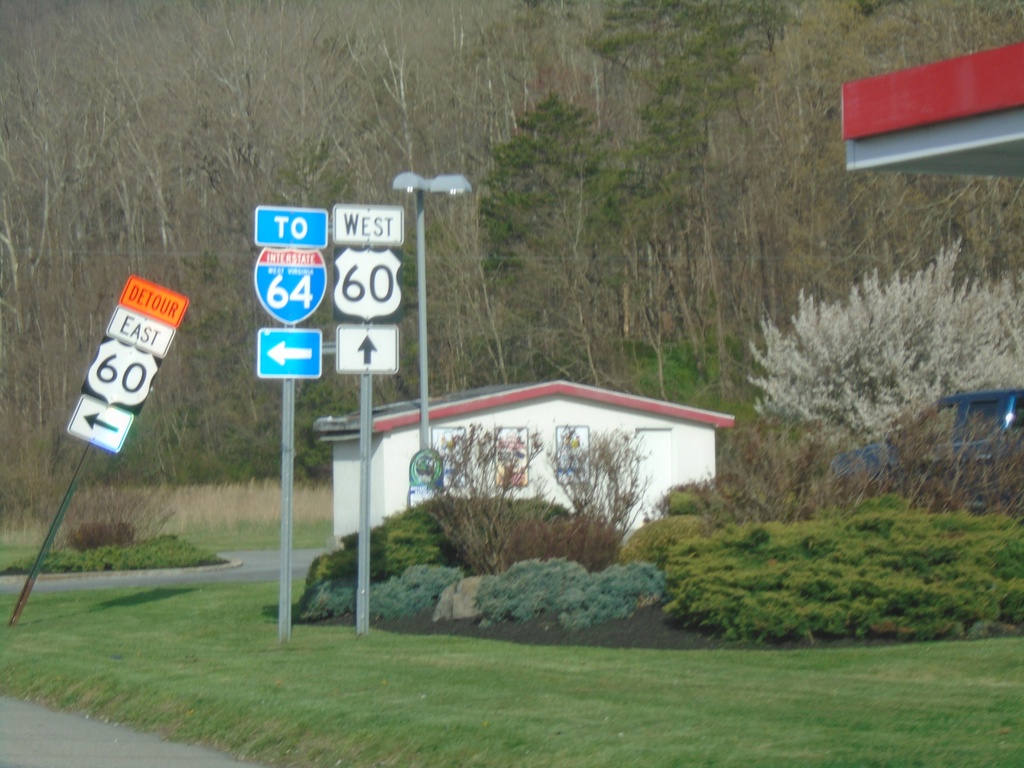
(651, 181)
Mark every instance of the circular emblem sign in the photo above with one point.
(426, 468)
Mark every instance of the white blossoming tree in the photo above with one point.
(891, 347)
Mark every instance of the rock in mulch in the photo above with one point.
(458, 601)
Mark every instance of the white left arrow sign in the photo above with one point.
(100, 424)
(281, 353)
(289, 353)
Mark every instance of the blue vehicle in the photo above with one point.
(978, 417)
(999, 408)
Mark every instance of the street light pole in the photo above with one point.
(421, 301)
(452, 184)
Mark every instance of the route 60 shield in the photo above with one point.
(121, 375)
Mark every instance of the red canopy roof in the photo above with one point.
(960, 116)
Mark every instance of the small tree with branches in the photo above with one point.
(495, 511)
(486, 494)
(602, 476)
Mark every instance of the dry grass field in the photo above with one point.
(219, 517)
(224, 516)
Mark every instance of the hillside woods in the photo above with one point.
(651, 181)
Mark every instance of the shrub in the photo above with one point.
(594, 544)
(117, 517)
(326, 599)
(615, 593)
(161, 552)
(342, 564)
(772, 473)
(536, 509)
(488, 491)
(491, 502)
(892, 573)
(920, 462)
(767, 472)
(602, 475)
(100, 533)
(412, 537)
(417, 588)
(652, 542)
(564, 589)
(679, 502)
(530, 588)
(1011, 607)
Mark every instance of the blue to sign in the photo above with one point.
(288, 353)
(298, 227)
(290, 283)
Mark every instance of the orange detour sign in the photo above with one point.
(154, 301)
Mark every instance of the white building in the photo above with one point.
(679, 441)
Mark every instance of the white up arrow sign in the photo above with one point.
(367, 349)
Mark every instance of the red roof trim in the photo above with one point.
(552, 389)
(966, 86)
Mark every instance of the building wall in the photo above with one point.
(690, 449)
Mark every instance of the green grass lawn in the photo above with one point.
(13, 553)
(203, 664)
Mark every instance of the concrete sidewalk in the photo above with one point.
(34, 737)
(247, 566)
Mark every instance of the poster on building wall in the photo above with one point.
(513, 457)
(449, 443)
(573, 444)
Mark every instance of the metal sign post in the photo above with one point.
(290, 279)
(284, 612)
(365, 498)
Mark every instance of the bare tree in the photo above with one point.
(488, 491)
(603, 476)
(138, 136)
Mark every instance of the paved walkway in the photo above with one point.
(241, 566)
(34, 737)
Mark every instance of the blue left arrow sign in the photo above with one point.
(289, 353)
(299, 227)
